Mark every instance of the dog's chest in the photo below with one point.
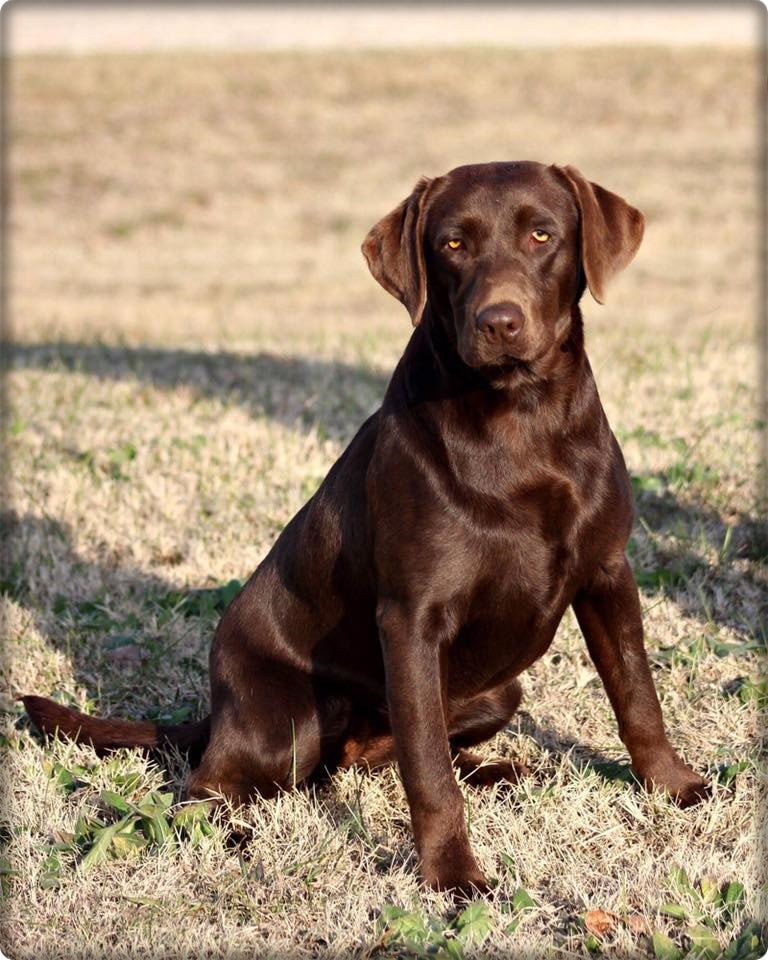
(529, 524)
(493, 519)
(523, 573)
(533, 544)
(528, 498)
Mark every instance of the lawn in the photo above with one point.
(196, 340)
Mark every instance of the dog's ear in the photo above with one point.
(394, 249)
(611, 231)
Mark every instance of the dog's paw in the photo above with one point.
(461, 888)
(456, 873)
(476, 772)
(467, 891)
(677, 779)
(694, 791)
(498, 771)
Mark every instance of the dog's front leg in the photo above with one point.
(417, 716)
(610, 619)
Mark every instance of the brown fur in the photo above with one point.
(397, 609)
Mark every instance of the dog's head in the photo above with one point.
(502, 252)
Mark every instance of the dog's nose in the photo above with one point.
(500, 322)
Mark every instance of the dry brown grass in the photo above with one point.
(197, 340)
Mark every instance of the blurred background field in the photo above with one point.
(197, 338)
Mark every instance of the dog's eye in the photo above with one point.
(455, 244)
(540, 236)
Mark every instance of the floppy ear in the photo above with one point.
(611, 231)
(394, 249)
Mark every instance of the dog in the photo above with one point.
(395, 612)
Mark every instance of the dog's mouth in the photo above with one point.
(501, 363)
(510, 361)
(480, 355)
(507, 360)
(504, 371)
(507, 369)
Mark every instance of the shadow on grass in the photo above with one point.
(333, 397)
(336, 397)
(681, 536)
(112, 622)
(294, 391)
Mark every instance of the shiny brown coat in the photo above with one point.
(395, 612)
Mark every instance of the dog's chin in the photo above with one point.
(508, 374)
(502, 371)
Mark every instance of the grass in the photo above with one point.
(197, 339)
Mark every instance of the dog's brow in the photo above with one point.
(530, 213)
(467, 225)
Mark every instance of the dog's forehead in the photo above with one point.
(499, 186)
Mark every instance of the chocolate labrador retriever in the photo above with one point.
(397, 609)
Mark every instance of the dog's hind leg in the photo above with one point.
(471, 722)
(265, 734)
(478, 719)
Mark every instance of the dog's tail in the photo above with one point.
(50, 717)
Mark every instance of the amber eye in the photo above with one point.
(540, 236)
(455, 244)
